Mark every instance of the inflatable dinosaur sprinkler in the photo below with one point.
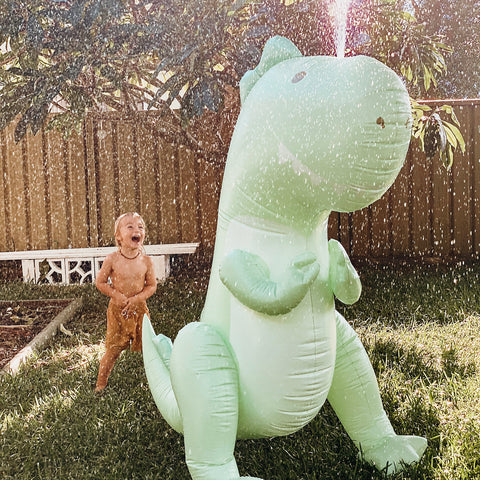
(315, 134)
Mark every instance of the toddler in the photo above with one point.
(132, 281)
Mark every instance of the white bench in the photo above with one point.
(80, 265)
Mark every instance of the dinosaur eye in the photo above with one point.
(298, 77)
(381, 122)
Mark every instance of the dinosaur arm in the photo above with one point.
(247, 277)
(344, 279)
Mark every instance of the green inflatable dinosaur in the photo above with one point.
(315, 134)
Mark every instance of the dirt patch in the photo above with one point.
(21, 321)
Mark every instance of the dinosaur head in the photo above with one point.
(317, 134)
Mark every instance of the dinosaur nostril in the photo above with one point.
(298, 77)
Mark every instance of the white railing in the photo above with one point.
(81, 265)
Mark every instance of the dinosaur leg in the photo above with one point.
(205, 381)
(355, 397)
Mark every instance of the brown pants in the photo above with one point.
(122, 332)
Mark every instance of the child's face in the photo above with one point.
(131, 232)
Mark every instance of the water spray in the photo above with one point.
(339, 11)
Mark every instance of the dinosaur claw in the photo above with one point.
(393, 452)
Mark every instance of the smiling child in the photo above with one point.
(127, 276)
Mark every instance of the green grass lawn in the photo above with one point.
(420, 328)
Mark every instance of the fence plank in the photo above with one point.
(442, 211)
(345, 231)
(149, 181)
(5, 230)
(36, 192)
(462, 188)
(16, 197)
(399, 213)
(360, 241)
(420, 204)
(57, 193)
(188, 196)
(91, 207)
(380, 228)
(333, 226)
(78, 191)
(108, 198)
(210, 185)
(169, 231)
(475, 159)
(127, 177)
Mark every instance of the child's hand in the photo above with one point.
(119, 299)
(130, 306)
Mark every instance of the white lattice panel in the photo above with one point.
(67, 271)
(80, 270)
(80, 265)
(50, 271)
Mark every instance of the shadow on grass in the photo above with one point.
(413, 363)
(409, 378)
(321, 450)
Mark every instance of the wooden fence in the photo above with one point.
(61, 194)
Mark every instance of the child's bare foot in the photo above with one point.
(99, 390)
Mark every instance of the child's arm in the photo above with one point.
(150, 282)
(106, 288)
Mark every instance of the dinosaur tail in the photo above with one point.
(157, 350)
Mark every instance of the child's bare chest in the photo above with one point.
(129, 278)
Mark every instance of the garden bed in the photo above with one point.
(22, 321)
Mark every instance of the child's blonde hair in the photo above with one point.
(119, 219)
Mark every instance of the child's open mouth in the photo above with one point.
(136, 238)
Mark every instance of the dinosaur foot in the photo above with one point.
(394, 452)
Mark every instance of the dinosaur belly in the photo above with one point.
(285, 361)
(286, 366)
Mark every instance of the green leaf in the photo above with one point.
(427, 77)
(259, 31)
(237, 5)
(38, 118)
(14, 100)
(447, 158)
(75, 12)
(457, 134)
(450, 136)
(212, 98)
(91, 13)
(197, 101)
(20, 129)
(66, 123)
(447, 109)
